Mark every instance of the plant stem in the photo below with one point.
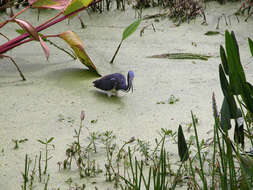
(40, 167)
(45, 169)
(116, 52)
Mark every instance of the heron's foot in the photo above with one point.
(112, 93)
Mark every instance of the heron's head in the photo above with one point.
(130, 78)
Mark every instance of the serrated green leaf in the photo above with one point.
(227, 93)
(182, 146)
(224, 60)
(50, 140)
(250, 46)
(236, 72)
(225, 115)
(131, 29)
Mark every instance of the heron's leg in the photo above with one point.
(109, 94)
(114, 92)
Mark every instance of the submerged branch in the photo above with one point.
(181, 56)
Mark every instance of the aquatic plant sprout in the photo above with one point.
(126, 33)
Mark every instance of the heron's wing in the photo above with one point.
(106, 83)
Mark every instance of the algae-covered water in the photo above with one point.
(49, 103)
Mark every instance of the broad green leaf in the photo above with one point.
(250, 46)
(225, 115)
(224, 60)
(50, 140)
(236, 72)
(77, 45)
(247, 96)
(227, 93)
(182, 146)
(131, 29)
(75, 5)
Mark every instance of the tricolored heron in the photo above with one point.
(114, 82)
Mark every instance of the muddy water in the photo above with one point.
(50, 102)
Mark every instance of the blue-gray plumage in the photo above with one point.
(115, 82)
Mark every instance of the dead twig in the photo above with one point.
(20, 72)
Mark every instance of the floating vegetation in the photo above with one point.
(182, 56)
(172, 100)
(212, 33)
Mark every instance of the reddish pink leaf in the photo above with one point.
(28, 28)
(49, 4)
(44, 47)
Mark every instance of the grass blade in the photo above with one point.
(250, 46)
(202, 175)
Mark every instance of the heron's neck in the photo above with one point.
(127, 86)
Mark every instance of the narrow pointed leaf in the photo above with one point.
(225, 115)
(44, 47)
(131, 29)
(227, 93)
(40, 141)
(49, 4)
(50, 140)
(182, 146)
(77, 45)
(236, 72)
(250, 46)
(224, 60)
(28, 28)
